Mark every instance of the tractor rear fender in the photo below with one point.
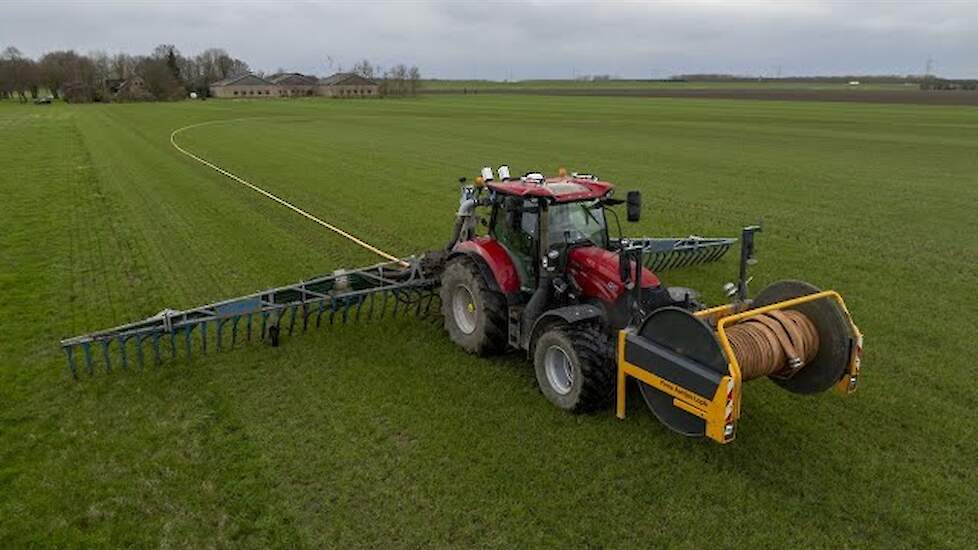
(480, 263)
(494, 263)
(568, 314)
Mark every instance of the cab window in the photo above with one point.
(517, 232)
(577, 222)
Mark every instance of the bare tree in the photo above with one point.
(30, 76)
(122, 66)
(224, 66)
(169, 54)
(364, 69)
(400, 81)
(57, 68)
(211, 65)
(159, 79)
(80, 83)
(78, 78)
(393, 82)
(6, 79)
(190, 71)
(414, 80)
(18, 74)
(103, 71)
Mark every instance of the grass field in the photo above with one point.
(387, 435)
(554, 84)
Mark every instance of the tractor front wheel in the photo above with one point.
(574, 368)
(475, 315)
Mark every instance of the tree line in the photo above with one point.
(399, 80)
(165, 74)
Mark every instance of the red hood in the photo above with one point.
(596, 271)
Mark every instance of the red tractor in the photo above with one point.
(546, 279)
(549, 277)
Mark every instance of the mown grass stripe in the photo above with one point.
(281, 201)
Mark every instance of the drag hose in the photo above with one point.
(777, 342)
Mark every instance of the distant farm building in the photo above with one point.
(112, 85)
(246, 85)
(295, 84)
(133, 89)
(126, 89)
(348, 85)
(343, 85)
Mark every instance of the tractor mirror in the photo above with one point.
(634, 201)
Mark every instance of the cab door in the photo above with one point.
(515, 225)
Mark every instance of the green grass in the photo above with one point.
(387, 435)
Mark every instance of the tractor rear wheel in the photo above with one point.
(475, 315)
(574, 367)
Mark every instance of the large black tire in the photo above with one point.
(481, 327)
(587, 351)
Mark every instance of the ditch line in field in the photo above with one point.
(275, 198)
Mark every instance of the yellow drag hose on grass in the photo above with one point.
(279, 200)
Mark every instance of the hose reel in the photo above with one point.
(685, 365)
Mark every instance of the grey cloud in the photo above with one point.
(468, 39)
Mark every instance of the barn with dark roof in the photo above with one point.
(348, 85)
(246, 85)
(295, 84)
(342, 85)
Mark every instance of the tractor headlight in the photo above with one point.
(553, 254)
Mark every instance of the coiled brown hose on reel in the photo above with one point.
(777, 342)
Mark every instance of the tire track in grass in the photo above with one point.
(266, 194)
(73, 260)
(147, 203)
(375, 161)
(94, 270)
(239, 209)
(124, 263)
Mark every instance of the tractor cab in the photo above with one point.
(548, 246)
(533, 216)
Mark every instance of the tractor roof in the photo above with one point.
(559, 189)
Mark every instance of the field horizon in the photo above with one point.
(387, 434)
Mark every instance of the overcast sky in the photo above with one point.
(524, 39)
